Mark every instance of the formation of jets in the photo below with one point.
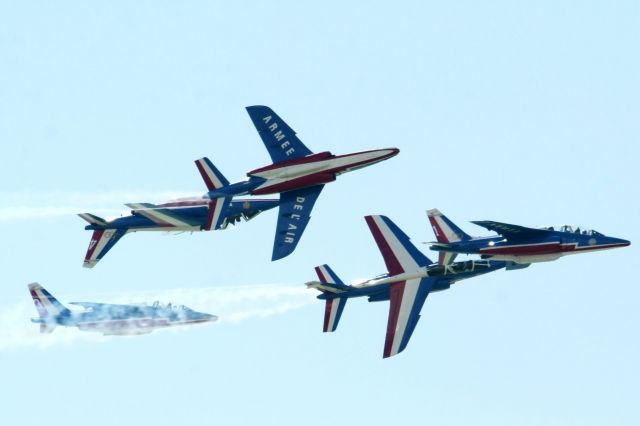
(298, 175)
(412, 276)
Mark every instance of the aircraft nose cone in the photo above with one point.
(209, 317)
(392, 152)
(619, 242)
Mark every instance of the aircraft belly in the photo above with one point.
(124, 326)
(294, 171)
(522, 249)
(336, 164)
(524, 259)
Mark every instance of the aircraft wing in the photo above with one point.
(162, 216)
(293, 217)
(406, 300)
(102, 240)
(279, 139)
(509, 231)
(400, 255)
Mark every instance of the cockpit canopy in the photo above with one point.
(169, 306)
(578, 230)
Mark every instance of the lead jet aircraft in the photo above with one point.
(110, 319)
(193, 214)
(517, 243)
(297, 174)
(410, 278)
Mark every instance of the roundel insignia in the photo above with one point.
(246, 205)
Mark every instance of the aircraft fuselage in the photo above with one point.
(532, 250)
(127, 320)
(311, 170)
(444, 275)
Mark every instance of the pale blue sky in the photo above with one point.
(525, 113)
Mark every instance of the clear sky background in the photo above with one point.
(524, 112)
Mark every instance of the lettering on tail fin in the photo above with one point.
(285, 145)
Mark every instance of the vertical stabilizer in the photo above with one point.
(48, 307)
(210, 174)
(445, 230)
(331, 284)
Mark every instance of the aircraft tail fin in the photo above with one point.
(93, 219)
(332, 312)
(327, 276)
(400, 255)
(445, 230)
(101, 242)
(210, 174)
(331, 285)
(47, 327)
(47, 306)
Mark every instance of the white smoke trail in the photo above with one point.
(30, 205)
(230, 304)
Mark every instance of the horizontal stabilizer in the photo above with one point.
(93, 219)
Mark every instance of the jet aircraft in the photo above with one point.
(517, 243)
(410, 278)
(297, 174)
(192, 214)
(110, 319)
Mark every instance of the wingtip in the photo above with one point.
(254, 107)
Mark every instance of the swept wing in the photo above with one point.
(279, 139)
(510, 231)
(405, 304)
(405, 297)
(293, 216)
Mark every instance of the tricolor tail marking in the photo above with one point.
(47, 305)
(215, 218)
(399, 254)
(445, 230)
(326, 275)
(100, 243)
(405, 304)
(333, 307)
(332, 313)
(210, 174)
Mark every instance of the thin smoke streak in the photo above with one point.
(24, 205)
(230, 304)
